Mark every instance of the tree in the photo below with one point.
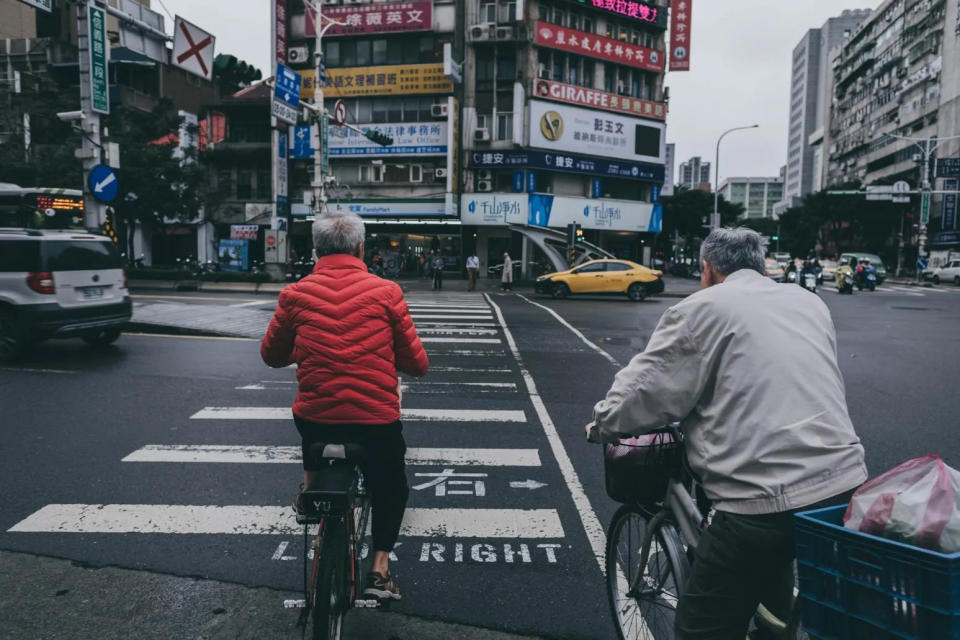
(684, 213)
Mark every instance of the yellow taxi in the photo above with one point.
(608, 276)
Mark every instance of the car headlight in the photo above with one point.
(543, 279)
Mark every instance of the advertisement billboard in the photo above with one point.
(601, 47)
(582, 96)
(234, 255)
(568, 162)
(352, 82)
(409, 139)
(561, 128)
(484, 209)
(394, 209)
(399, 17)
(680, 21)
(644, 12)
(545, 210)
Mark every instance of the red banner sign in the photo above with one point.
(375, 18)
(560, 92)
(680, 20)
(638, 10)
(587, 44)
(280, 30)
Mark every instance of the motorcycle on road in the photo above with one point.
(844, 277)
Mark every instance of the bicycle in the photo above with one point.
(661, 521)
(336, 502)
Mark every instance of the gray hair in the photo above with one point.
(337, 233)
(729, 250)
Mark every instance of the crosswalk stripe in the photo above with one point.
(463, 340)
(449, 387)
(433, 316)
(462, 323)
(276, 520)
(246, 454)
(443, 369)
(423, 415)
(470, 353)
(464, 331)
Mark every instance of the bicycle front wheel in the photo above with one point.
(328, 601)
(646, 570)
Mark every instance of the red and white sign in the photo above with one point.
(244, 231)
(550, 90)
(280, 30)
(680, 21)
(340, 113)
(193, 48)
(375, 18)
(639, 10)
(587, 44)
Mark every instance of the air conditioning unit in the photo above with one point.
(298, 55)
(438, 110)
(482, 32)
(484, 174)
(354, 1)
(481, 134)
(505, 33)
(440, 173)
(917, 157)
(485, 185)
(331, 1)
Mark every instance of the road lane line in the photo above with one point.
(170, 335)
(433, 316)
(466, 324)
(451, 330)
(421, 415)
(419, 388)
(244, 454)
(137, 296)
(435, 369)
(573, 329)
(275, 520)
(462, 340)
(265, 385)
(32, 370)
(588, 517)
(250, 304)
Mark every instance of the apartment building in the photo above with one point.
(757, 195)
(695, 174)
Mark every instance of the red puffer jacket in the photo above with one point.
(349, 333)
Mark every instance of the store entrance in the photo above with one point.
(408, 255)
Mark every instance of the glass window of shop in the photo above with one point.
(397, 254)
(362, 52)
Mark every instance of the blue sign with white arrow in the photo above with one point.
(287, 85)
(301, 143)
(103, 183)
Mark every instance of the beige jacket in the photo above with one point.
(749, 367)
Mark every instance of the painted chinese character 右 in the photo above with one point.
(443, 482)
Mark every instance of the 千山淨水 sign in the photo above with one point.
(99, 84)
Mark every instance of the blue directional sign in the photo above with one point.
(103, 183)
(287, 86)
(301, 143)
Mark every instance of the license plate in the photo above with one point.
(92, 293)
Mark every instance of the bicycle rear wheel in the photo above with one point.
(328, 599)
(643, 594)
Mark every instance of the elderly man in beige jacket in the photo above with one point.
(749, 368)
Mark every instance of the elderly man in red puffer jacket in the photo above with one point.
(350, 333)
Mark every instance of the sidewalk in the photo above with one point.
(58, 599)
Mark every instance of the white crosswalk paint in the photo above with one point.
(450, 330)
(433, 316)
(425, 415)
(245, 454)
(450, 387)
(462, 340)
(441, 369)
(265, 385)
(274, 520)
(461, 323)
(465, 352)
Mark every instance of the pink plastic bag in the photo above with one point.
(918, 503)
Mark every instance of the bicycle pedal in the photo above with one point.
(366, 604)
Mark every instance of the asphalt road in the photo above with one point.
(512, 547)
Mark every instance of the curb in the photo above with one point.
(172, 329)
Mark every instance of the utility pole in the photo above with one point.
(715, 218)
(94, 54)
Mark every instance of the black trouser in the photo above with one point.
(438, 279)
(384, 470)
(740, 562)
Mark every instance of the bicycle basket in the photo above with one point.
(637, 470)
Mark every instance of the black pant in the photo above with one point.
(741, 561)
(384, 470)
(437, 279)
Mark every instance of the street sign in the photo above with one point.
(43, 5)
(948, 168)
(283, 111)
(287, 85)
(900, 199)
(301, 143)
(324, 144)
(921, 264)
(99, 86)
(103, 183)
(948, 212)
(340, 113)
(193, 49)
(901, 187)
(925, 209)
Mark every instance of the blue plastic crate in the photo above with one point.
(855, 586)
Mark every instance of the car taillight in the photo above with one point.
(41, 282)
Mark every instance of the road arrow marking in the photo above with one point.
(527, 484)
(106, 181)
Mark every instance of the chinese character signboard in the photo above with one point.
(640, 11)
(393, 209)
(562, 128)
(409, 139)
(279, 30)
(567, 163)
(99, 86)
(680, 21)
(375, 18)
(545, 210)
(494, 209)
(948, 214)
(587, 44)
(244, 231)
(550, 90)
(44, 5)
(948, 168)
(351, 82)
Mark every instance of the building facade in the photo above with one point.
(757, 195)
(695, 174)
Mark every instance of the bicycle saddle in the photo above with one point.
(349, 452)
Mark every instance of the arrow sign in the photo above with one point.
(527, 484)
(103, 183)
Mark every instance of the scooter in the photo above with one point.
(867, 279)
(844, 280)
(809, 281)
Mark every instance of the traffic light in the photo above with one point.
(381, 139)
(775, 238)
(232, 73)
(578, 233)
(108, 228)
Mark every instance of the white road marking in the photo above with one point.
(241, 454)
(450, 330)
(464, 352)
(144, 296)
(569, 326)
(432, 316)
(255, 303)
(455, 324)
(424, 415)
(32, 370)
(449, 387)
(274, 520)
(462, 340)
(906, 291)
(177, 337)
(263, 385)
(588, 517)
(435, 369)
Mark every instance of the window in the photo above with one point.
(647, 141)
(504, 126)
(426, 49)
(225, 182)
(593, 267)
(484, 68)
(394, 49)
(364, 54)
(411, 51)
(411, 109)
(380, 110)
(20, 255)
(617, 266)
(609, 78)
(488, 12)
(416, 173)
(507, 68)
(545, 13)
(587, 24)
(572, 76)
(379, 52)
(394, 110)
(558, 61)
(483, 121)
(264, 185)
(244, 184)
(396, 173)
(348, 53)
(79, 255)
(558, 16)
(508, 11)
(574, 21)
(371, 173)
(588, 74)
(364, 111)
(331, 53)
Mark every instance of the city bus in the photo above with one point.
(40, 207)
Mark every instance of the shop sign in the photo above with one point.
(561, 92)
(234, 255)
(279, 30)
(394, 209)
(244, 231)
(494, 209)
(948, 168)
(588, 44)
(409, 139)
(612, 215)
(352, 82)
(453, 146)
(945, 238)
(948, 213)
(641, 11)
(567, 162)
(562, 128)
(680, 21)
(399, 17)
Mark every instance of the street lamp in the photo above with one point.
(715, 218)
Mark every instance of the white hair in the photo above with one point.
(729, 250)
(337, 233)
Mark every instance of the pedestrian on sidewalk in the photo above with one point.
(437, 265)
(473, 269)
(506, 279)
(422, 266)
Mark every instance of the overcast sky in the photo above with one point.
(740, 74)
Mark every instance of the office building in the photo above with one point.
(757, 195)
(695, 174)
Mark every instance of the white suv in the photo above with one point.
(947, 272)
(59, 284)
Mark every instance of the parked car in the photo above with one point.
(59, 284)
(874, 259)
(774, 270)
(603, 276)
(947, 272)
